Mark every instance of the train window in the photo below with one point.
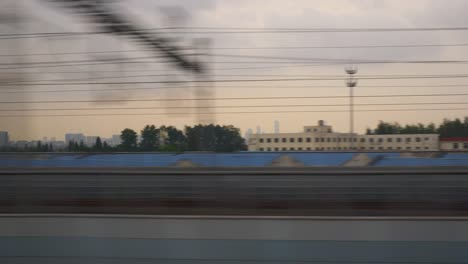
(465, 145)
(455, 145)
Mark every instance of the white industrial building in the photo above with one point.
(322, 138)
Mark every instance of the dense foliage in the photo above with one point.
(448, 128)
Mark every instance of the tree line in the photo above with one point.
(448, 128)
(214, 138)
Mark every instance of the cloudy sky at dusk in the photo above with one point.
(240, 50)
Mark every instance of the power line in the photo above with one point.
(304, 62)
(334, 60)
(220, 107)
(324, 29)
(245, 112)
(227, 87)
(113, 60)
(342, 47)
(331, 78)
(232, 98)
(247, 48)
(317, 77)
(80, 64)
(234, 30)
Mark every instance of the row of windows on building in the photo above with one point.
(315, 130)
(363, 140)
(458, 146)
(344, 148)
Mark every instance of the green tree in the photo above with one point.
(384, 128)
(82, 147)
(98, 145)
(129, 139)
(39, 146)
(106, 147)
(453, 128)
(149, 138)
(214, 138)
(172, 139)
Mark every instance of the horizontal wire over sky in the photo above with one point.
(331, 78)
(233, 98)
(224, 106)
(234, 30)
(20, 91)
(247, 48)
(80, 81)
(246, 112)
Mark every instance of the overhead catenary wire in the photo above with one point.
(232, 98)
(248, 48)
(66, 81)
(234, 30)
(20, 91)
(331, 78)
(245, 112)
(225, 106)
(302, 63)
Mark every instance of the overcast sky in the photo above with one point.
(42, 16)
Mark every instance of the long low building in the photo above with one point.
(322, 138)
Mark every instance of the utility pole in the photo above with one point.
(351, 82)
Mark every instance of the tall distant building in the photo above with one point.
(4, 139)
(277, 127)
(75, 138)
(248, 134)
(116, 140)
(259, 130)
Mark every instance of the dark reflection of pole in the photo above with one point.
(204, 89)
(204, 86)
